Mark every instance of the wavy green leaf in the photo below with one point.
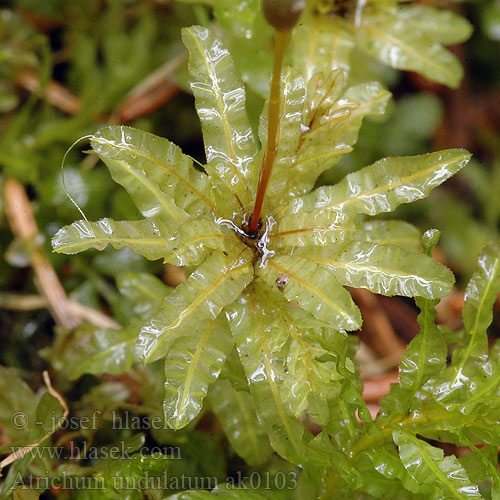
(160, 179)
(315, 289)
(438, 476)
(387, 37)
(423, 359)
(324, 228)
(321, 44)
(239, 422)
(390, 232)
(349, 409)
(426, 355)
(143, 291)
(311, 380)
(212, 286)
(470, 360)
(332, 128)
(442, 25)
(481, 293)
(259, 335)
(148, 237)
(319, 228)
(104, 351)
(323, 92)
(192, 364)
(384, 269)
(220, 102)
(396, 481)
(194, 240)
(386, 184)
(482, 466)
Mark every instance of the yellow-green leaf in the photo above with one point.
(256, 329)
(212, 286)
(384, 269)
(442, 25)
(387, 37)
(192, 364)
(332, 126)
(314, 288)
(148, 237)
(239, 422)
(195, 239)
(321, 44)
(220, 102)
(160, 179)
(386, 184)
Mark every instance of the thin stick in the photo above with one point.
(24, 227)
(18, 302)
(152, 92)
(55, 93)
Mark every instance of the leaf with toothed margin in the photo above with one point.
(385, 185)
(212, 286)
(332, 126)
(240, 424)
(472, 358)
(192, 364)
(259, 334)
(437, 476)
(160, 179)
(196, 239)
(148, 237)
(321, 44)
(315, 289)
(384, 269)
(220, 101)
(312, 379)
(305, 229)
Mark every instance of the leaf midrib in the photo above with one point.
(408, 49)
(377, 270)
(437, 471)
(125, 241)
(387, 187)
(133, 150)
(220, 104)
(310, 287)
(198, 301)
(193, 365)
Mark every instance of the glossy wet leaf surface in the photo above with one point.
(267, 313)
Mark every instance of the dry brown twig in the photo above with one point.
(24, 227)
(30, 302)
(58, 95)
(68, 314)
(152, 92)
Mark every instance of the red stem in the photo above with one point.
(281, 39)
